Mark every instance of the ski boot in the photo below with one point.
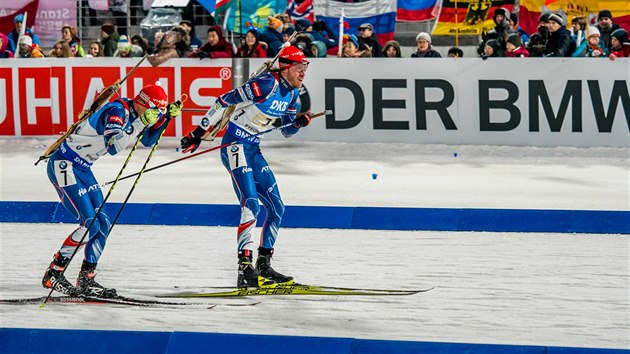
(247, 275)
(263, 267)
(87, 286)
(54, 278)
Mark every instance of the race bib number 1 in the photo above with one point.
(236, 155)
(64, 173)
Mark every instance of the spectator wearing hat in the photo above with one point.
(61, 49)
(318, 49)
(391, 49)
(251, 47)
(28, 49)
(620, 45)
(173, 44)
(367, 35)
(559, 43)
(491, 49)
(272, 35)
(514, 47)
(592, 46)
(109, 39)
(500, 32)
(128, 50)
(4, 43)
(425, 50)
(538, 40)
(14, 35)
(578, 29)
(354, 48)
(69, 34)
(303, 42)
(515, 28)
(141, 42)
(195, 42)
(606, 26)
(216, 47)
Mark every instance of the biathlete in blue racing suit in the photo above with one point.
(262, 103)
(109, 130)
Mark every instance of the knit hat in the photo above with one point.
(302, 24)
(152, 96)
(557, 19)
(18, 18)
(290, 56)
(515, 39)
(605, 13)
(108, 28)
(123, 43)
(423, 35)
(591, 31)
(25, 39)
(621, 35)
(274, 23)
(544, 17)
(514, 17)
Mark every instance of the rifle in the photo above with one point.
(263, 68)
(103, 97)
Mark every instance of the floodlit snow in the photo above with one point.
(509, 288)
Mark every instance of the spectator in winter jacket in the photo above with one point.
(250, 46)
(323, 33)
(4, 43)
(69, 34)
(593, 46)
(216, 47)
(95, 50)
(455, 52)
(128, 50)
(272, 35)
(109, 39)
(173, 44)
(195, 42)
(391, 49)
(538, 40)
(559, 43)
(606, 26)
(514, 47)
(425, 50)
(620, 46)
(491, 49)
(515, 28)
(578, 29)
(318, 49)
(353, 48)
(28, 49)
(15, 34)
(500, 32)
(366, 34)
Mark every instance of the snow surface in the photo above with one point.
(508, 288)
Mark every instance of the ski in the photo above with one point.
(118, 300)
(292, 289)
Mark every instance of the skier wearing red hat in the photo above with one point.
(109, 130)
(262, 103)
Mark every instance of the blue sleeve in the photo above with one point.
(153, 133)
(111, 121)
(290, 115)
(256, 89)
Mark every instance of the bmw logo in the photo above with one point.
(129, 130)
(205, 122)
(79, 147)
(234, 149)
(63, 165)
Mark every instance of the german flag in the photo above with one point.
(468, 17)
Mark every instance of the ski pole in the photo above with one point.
(135, 182)
(98, 212)
(327, 112)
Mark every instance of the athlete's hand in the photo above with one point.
(174, 109)
(150, 116)
(191, 142)
(302, 120)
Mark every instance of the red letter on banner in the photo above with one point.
(7, 116)
(203, 87)
(42, 93)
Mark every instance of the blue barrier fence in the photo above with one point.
(376, 218)
(61, 341)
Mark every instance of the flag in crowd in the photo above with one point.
(530, 11)
(245, 14)
(468, 18)
(301, 11)
(417, 10)
(380, 13)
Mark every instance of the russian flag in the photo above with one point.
(417, 10)
(380, 13)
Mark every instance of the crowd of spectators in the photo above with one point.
(507, 39)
